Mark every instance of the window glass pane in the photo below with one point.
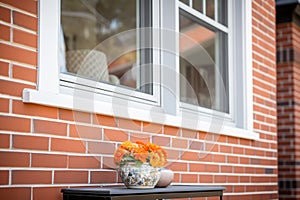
(101, 40)
(203, 65)
(187, 2)
(198, 5)
(210, 8)
(222, 12)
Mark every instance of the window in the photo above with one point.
(184, 62)
(101, 40)
(203, 55)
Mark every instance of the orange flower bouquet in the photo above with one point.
(140, 153)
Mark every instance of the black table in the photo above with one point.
(122, 193)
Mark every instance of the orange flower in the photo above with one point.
(119, 153)
(163, 156)
(142, 145)
(155, 160)
(141, 156)
(142, 152)
(127, 145)
(153, 147)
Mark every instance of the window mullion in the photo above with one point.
(169, 61)
(216, 10)
(204, 7)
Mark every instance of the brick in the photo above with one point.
(18, 54)
(14, 159)
(232, 179)
(24, 38)
(219, 158)
(85, 132)
(25, 21)
(5, 87)
(70, 177)
(4, 141)
(25, 74)
(115, 135)
(225, 149)
(191, 156)
(178, 166)
(4, 32)
(48, 127)
(30, 142)
(104, 120)
(206, 157)
(4, 177)
(5, 15)
(190, 134)
(203, 135)
(220, 179)
(84, 162)
(244, 179)
(34, 109)
(31, 177)
(173, 154)
(244, 142)
(161, 140)
(176, 178)
(195, 145)
(49, 160)
(67, 145)
(4, 68)
(206, 178)
(65, 114)
(82, 117)
(232, 159)
(103, 177)
(14, 193)
(76, 116)
(169, 130)
(196, 167)
(179, 143)
(238, 150)
(101, 148)
(47, 193)
(142, 137)
(211, 147)
(14, 124)
(152, 128)
(222, 139)
(189, 178)
(244, 160)
(129, 124)
(233, 140)
(4, 105)
(108, 163)
(239, 189)
(226, 169)
(211, 168)
(28, 5)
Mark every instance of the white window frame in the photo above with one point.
(165, 107)
(197, 109)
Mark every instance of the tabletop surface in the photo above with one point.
(116, 191)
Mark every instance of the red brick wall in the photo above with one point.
(288, 76)
(44, 149)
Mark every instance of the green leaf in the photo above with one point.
(138, 163)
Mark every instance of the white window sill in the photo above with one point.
(135, 113)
